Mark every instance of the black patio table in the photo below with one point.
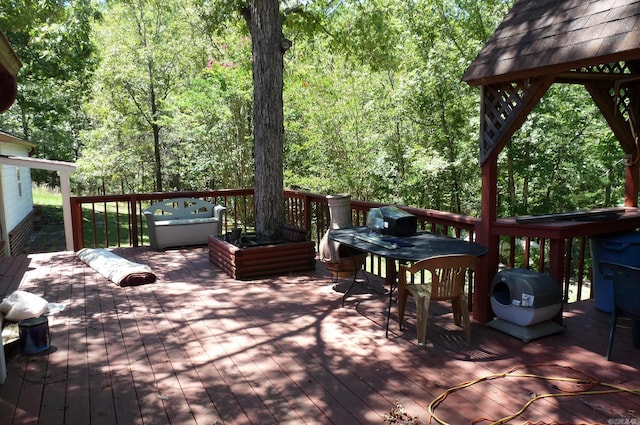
(404, 249)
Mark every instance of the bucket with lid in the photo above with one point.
(34, 335)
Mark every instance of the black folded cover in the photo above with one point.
(398, 222)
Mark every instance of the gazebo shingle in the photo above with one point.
(541, 37)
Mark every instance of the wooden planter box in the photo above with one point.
(260, 261)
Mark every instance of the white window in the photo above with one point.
(19, 181)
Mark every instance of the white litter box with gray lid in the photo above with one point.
(525, 302)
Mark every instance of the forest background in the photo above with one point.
(156, 95)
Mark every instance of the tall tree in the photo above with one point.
(143, 64)
(269, 46)
(264, 21)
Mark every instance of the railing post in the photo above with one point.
(76, 220)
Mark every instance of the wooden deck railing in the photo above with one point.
(117, 220)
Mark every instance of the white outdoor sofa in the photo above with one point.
(182, 222)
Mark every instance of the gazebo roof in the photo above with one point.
(9, 67)
(542, 37)
(9, 61)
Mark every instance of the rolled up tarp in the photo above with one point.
(119, 270)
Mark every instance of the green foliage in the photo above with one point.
(550, 166)
(52, 40)
(211, 133)
(391, 122)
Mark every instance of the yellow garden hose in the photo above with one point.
(589, 382)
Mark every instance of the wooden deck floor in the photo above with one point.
(197, 347)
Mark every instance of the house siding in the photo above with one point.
(16, 206)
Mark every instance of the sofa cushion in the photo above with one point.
(184, 221)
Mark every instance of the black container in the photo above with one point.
(398, 222)
(34, 335)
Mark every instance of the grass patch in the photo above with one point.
(45, 196)
(104, 225)
(48, 206)
(48, 222)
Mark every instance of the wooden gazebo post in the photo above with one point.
(489, 262)
(633, 162)
(503, 109)
(631, 188)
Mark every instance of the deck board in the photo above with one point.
(197, 347)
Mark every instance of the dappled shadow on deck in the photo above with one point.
(197, 347)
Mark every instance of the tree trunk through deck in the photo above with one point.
(268, 50)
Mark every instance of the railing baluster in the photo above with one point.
(106, 224)
(567, 268)
(512, 253)
(132, 208)
(95, 230)
(118, 224)
(580, 280)
(542, 243)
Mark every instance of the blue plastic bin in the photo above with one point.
(621, 248)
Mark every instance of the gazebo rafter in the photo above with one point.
(504, 109)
